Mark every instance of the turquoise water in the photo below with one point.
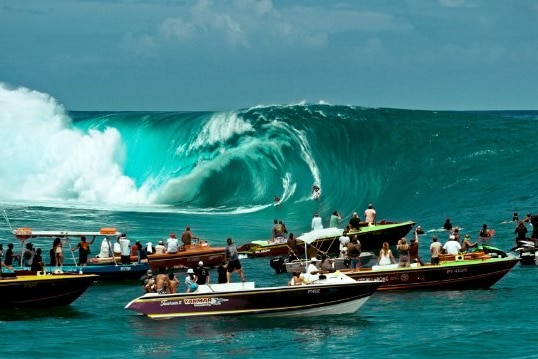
(152, 173)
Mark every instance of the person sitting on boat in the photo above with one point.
(370, 214)
(466, 245)
(173, 282)
(316, 222)
(160, 248)
(296, 279)
(279, 231)
(187, 237)
(403, 250)
(312, 271)
(355, 221)
(148, 282)
(104, 251)
(385, 255)
(452, 246)
(327, 264)
(172, 244)
(162, 283)
(190, 281)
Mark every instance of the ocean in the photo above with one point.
(152, 173)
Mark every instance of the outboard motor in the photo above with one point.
(278, 265)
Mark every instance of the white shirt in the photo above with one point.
(172, 245)
(452, 247)
(105, 249)
(316, 223)
(344, 240)
(125, 246)
(370, 215)
(159, 249)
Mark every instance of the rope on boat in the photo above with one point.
(6, 218)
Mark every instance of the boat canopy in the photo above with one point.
(25, 233)
(316, 234)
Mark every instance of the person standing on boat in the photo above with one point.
(232, 257)
(125, 247)
(10, 257)
(172, 244)
(173, 282)
(83, 250)
(435, 249)
(335, 219)
(413, 249)
(37, 263)
(104, 250)
(187, 237)
(57, 245)
(222, 270)
(190, 281)
(202, 274)
(292, 246)
(403, 250)
(354, 253)
(370, 214)
(316, 222)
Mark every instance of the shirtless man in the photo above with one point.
(162, 283)
(370, 214)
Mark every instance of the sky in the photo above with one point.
(180, 55)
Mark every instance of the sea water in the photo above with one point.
(149, 174)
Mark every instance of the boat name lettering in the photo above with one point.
(165, 302)
(314, 291)
(197, 301)
(125, 269)
(457, 270)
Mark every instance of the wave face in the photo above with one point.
(236, 162)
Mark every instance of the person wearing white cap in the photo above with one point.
(452, 246)
(190, 281)
(160, 248)
(202, 274)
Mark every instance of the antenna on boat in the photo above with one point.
(6, 218)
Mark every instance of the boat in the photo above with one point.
(326, 239)
(42, 291)
(188, 256)
(111, 271)
(336, 293)
(477, 270)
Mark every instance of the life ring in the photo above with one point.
(23, 234)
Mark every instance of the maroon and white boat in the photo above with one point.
(335, 294)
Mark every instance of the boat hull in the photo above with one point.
(453, 275)
(286, 301)
(42, 291)
(106, 272)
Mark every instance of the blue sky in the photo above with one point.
(224, 55)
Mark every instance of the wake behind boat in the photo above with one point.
(335, 294)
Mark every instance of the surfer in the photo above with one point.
(316, 191)
(277, 200)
